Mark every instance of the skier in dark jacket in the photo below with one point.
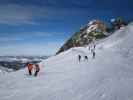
(79, 57)
(94, 46)
(94, 54)
(37, 69)
(86, 58)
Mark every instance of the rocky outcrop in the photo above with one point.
(95, 29)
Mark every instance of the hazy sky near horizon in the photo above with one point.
(40, 27)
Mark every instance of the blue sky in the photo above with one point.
(40, 27)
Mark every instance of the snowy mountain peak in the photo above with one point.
(95, 29)
(96, 25)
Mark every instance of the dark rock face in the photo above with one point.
(95, 29)
(118, 23)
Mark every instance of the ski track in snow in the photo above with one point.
(107, 77)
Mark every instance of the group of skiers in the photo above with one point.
(32, 66)
(92, 50)
(36, 66)
(85, 58)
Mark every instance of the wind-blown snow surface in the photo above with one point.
(107, 77)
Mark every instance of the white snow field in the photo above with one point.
(107, 77)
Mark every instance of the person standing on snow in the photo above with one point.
(37, 69)
(79, 57)
(94, 54)
(30, 67)
(92, 50)
(86, 58)
(94, 46)
(89, 47)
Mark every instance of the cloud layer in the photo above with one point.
(13, 14)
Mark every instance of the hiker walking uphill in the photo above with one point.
(30, 67)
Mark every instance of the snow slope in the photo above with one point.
(4, 70)
(107, 77)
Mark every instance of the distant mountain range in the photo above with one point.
(12, 63)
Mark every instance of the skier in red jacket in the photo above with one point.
(30, 67)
